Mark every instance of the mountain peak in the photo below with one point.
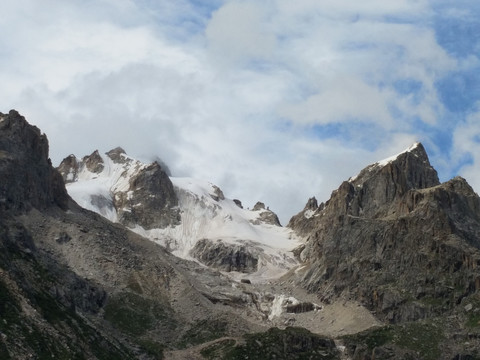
(118, 155)
(376, 190)
(416, 149)
(410, 169)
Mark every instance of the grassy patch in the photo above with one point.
(152, 348)
(423, 338)
(291, 343)
(218, 350)
(473, 320)
(9, 308)
(373, 338)
(203, 331)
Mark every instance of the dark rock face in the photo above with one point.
(218, 193)
(69, 168)
(395, 239)
(116, 155)
(266, 216)
(94, 162)
(151, 201)
(301, 222)
(28, 180)
(259, 206)
(225, 257)
(238, 203)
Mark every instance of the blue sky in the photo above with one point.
(274, 101)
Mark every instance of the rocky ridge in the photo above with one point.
(396, 240)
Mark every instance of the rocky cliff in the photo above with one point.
(395, 239)
(28, 179)
(131, 193)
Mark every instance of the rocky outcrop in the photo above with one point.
(138, 194)
(94, 162)
(266, 215)
(28, 179)
(69, 169)
(118, 155)
(150, 201)
(224, 256)
(395, 239)
(238, 203)
(301, 222)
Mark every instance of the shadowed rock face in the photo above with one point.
(151, 200)
(266, 216)
(225, 257)
(28, 180)
(395, 239)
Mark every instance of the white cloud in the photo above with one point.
(467, 144)
(237, 32)
(343, 100)
(226, 95)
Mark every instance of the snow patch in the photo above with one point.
(394, 157)
(308, 214)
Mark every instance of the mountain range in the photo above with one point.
(106, 257)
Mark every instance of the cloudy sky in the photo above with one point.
(273, 100)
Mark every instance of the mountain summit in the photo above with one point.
(395, 239)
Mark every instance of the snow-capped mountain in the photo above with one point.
(192, 218)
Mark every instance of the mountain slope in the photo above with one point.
(73, 285)
(190, 217)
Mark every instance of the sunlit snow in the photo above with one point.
(204, 215)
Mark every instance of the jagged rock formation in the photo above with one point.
(301, 222)
(395, 239)
(137, 194)
(27, 181)
(266, 215)
(226, 257)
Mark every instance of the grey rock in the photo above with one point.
(94, 162)
(117, 155)
(150, 202)
(28, 179)
(259, 206)
(391, 231)
(224, 256)
(266, 215)
(238, 203)
(69, 168)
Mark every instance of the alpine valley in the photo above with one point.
(106, 257)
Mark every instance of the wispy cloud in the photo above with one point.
(274, 101)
